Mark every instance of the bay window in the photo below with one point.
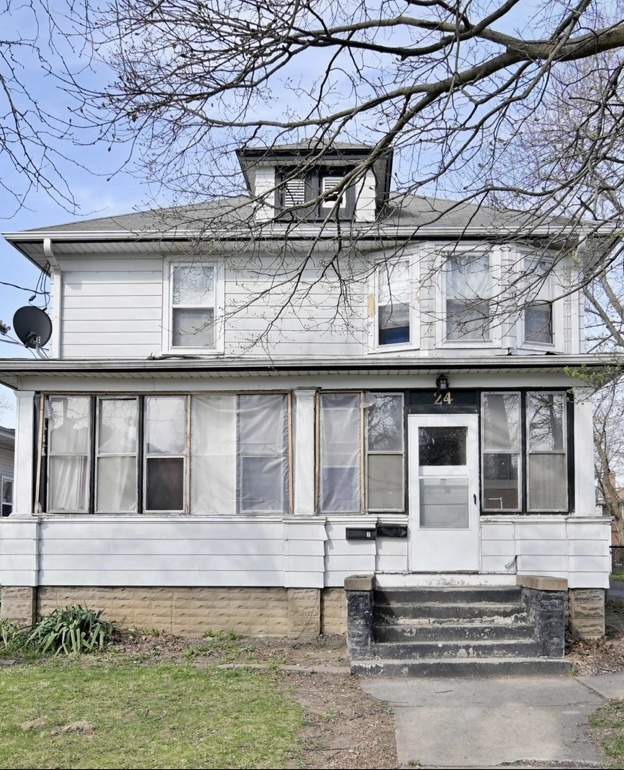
(538, 312)
(467, 310)
(394, 303)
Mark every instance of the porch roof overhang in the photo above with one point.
(15, 373)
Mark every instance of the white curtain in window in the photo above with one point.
(68, 438)
(213, 454)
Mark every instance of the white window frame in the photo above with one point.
(385, 453)
(98, 454)
(414, 306)
(495, 334)
(545, 293)
(169, 265)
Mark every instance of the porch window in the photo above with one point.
(524, 442)
(341, 458)
(467, 297)
(547, 466)
(501, 451)
(385, 453)
(116, 455)
(6, 495)
(356, 427)
(393, 303)
(191, 301)
(240, 454)
(165, 453)
(69, 445)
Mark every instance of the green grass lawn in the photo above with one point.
(108, 713)
(618, 574)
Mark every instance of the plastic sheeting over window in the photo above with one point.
(239, 450)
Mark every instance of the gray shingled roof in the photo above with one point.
(401, 211)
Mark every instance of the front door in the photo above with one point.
(443, 492)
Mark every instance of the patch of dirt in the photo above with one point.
(345, 727)
(604, 655)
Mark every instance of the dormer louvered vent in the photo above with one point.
(294, 192)
(328, 183)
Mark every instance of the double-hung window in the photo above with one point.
(524, 451)
(192, 306)
(362, 454)
(394, 306)
(538, 312)
(467, 299)
(165, 453)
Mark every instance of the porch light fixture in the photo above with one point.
(441, 383)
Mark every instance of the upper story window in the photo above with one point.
(298, 191)
(467, 297)
(395, 320)
(538, 321)
(192, 303)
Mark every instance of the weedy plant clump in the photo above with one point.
(70, 630)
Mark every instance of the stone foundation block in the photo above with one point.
(586, 612)
(19, 604)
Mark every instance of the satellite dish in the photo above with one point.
(33, 326)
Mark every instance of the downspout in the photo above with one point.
(56, 296)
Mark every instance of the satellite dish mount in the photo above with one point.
(33, 327)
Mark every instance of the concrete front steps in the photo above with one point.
(452, 632)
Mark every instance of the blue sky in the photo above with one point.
(96, 196)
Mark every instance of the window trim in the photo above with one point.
(169, 265)
(414, 306)
(442, 258)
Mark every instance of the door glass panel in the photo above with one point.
(444, 503)
(442, 446)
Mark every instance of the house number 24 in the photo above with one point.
(443, 398)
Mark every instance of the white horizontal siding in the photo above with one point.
(18, 552)
(112, 307)
(105, 312)
(347, 557)
(391, 554)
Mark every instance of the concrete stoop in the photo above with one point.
(457, 632)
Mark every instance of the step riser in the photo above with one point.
(446, 595)
(450, 613)
(435, 650)
(464, 668)
(447, 633)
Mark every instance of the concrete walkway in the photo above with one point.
(489, 723)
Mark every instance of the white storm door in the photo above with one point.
(443, 492)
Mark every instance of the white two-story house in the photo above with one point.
(248, 401)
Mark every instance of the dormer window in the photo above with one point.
(298, 194)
